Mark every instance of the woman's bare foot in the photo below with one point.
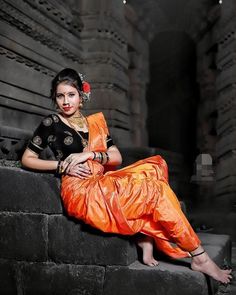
(205, 264)
(146, 243)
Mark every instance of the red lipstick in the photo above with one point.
(66, 109)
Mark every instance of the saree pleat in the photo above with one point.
(136, 198)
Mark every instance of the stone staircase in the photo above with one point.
(42, 251)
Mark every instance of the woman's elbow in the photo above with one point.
(24, 161)
(119, 159)
(27, 159)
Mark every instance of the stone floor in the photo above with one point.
(230, 289)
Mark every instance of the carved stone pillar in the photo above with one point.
(115, 60)
(138, 71)
(226, 106)
(207, 113)
(217, 118)
(105, 63)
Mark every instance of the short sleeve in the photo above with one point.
(39, 141)
(109, 141)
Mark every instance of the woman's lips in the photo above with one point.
(67, 108)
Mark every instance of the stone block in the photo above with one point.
(216, 218)
(220, 217)
(23, 236)
(226, 185)
(170, 276)
(226, 144)
(49, 278)
(71, 241)
(227, 17)
(226, 122)
(226, 101)
(226, 167)
(28, 192)
(226, 54)
(226, 78)
(166, 279)
(7, 275)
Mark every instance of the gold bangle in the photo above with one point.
(61, 169)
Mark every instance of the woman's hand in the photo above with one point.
(80, 170)
(73, 162)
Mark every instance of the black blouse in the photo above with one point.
(62, 139)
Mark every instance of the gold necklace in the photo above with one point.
(78, 120)
(84, 141)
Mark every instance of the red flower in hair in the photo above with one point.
(86, 87)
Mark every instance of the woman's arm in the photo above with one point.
(70, 163)
(115, 157)
(31, 160)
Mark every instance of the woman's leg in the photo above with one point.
(146, 244)
(168, 215)
(203, 263)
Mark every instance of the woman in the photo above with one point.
(135, 199)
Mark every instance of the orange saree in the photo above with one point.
(133, 199)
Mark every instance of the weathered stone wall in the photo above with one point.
(103, 41)
(226, 101)
(226, 79)
(207, 111)
(38, 38)
(138, 73)
(216, 117)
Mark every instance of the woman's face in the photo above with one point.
(67, 99)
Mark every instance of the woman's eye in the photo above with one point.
(58, 96)
(71, 94)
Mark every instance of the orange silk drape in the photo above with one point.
(133, 199)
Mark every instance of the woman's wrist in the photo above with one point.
(59, 169)
(91, 156)
(101, 157)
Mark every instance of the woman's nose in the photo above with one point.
(65, 100)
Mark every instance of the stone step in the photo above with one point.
(173, 277)
(34, 227)
(39, 244)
